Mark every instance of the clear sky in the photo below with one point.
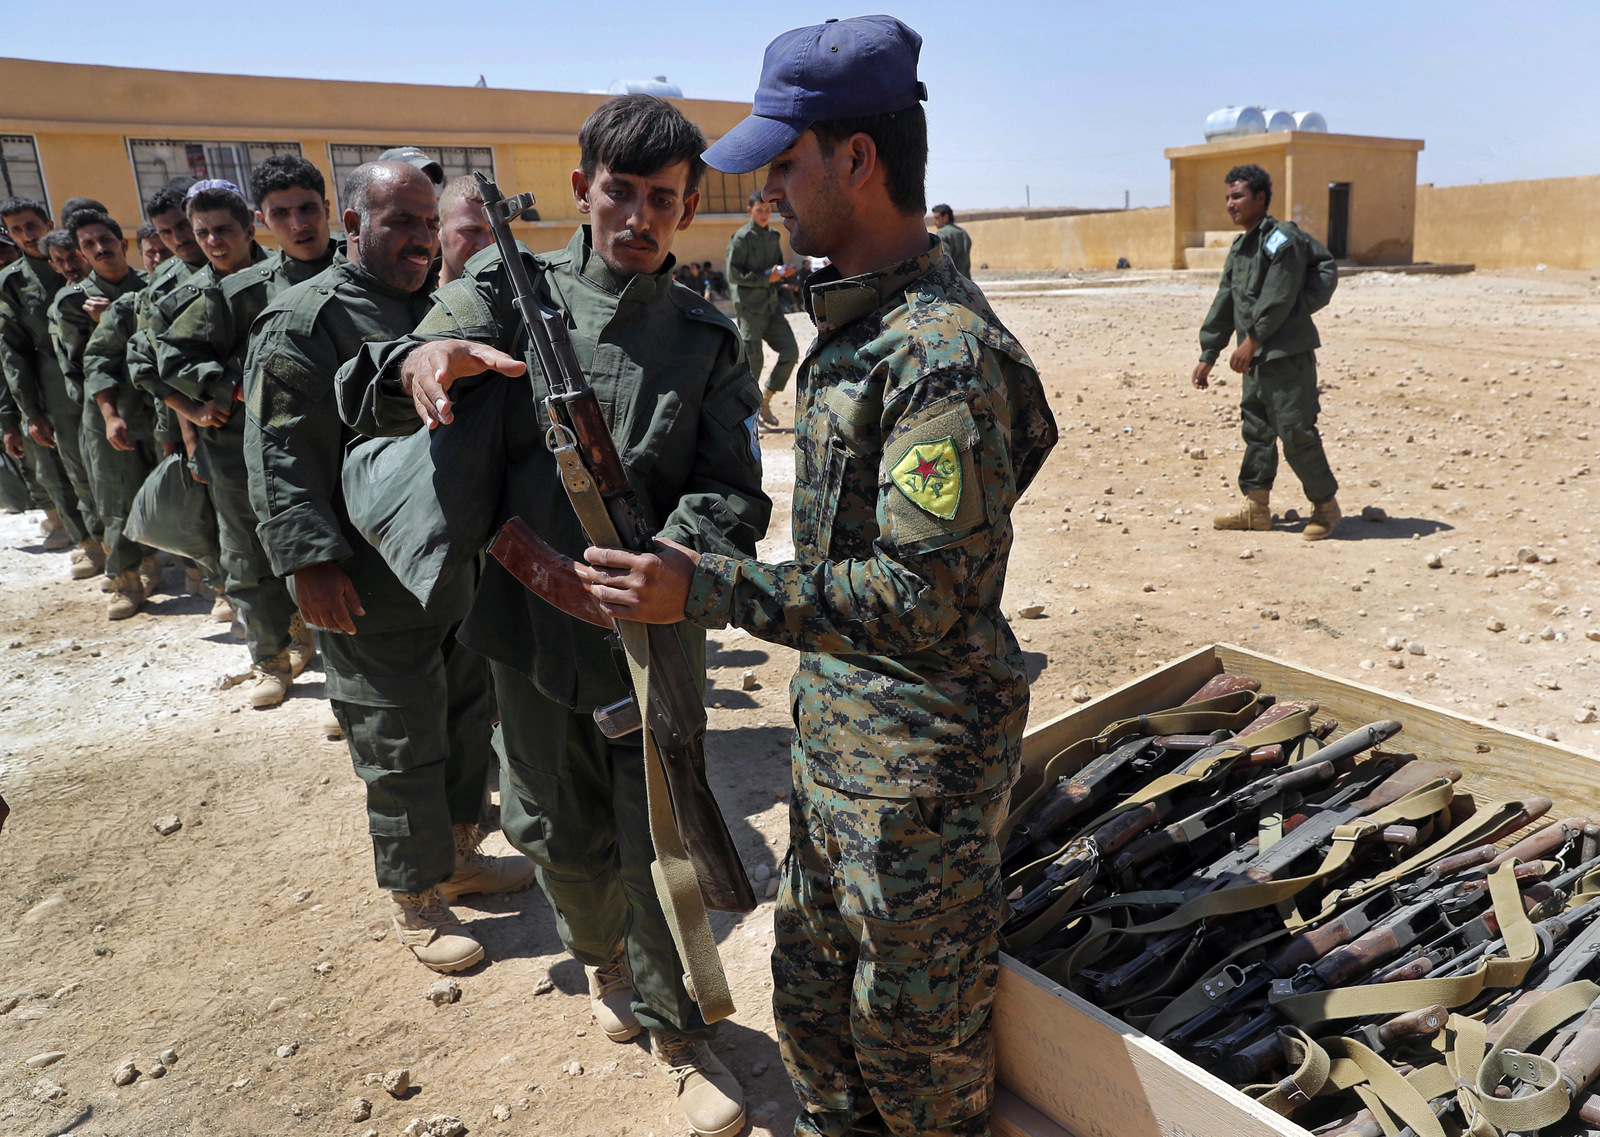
(1075, 101)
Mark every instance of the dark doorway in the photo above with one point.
(1339, 220)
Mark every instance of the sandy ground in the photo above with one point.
(1461, 406)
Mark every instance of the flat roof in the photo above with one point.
(1281, 138)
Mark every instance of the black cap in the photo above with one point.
(412, 156)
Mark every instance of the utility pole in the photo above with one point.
(1027, 195)
(1126, 197)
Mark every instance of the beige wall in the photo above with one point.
(1085, 240)
(1554, 221)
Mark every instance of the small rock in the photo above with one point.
(444, 992)
(1592, 634)
(369, 1133)
(765, 1113)
(277, 1004)
(239, 1084)
(302, 896)
(772, 888)
(1198, 453)
(1547, 558)
(1031, 611)
(45, 1090)
(1435, 560)
(1395, 662)
(1416, 648)
(124, 1074)
(397, 1082)
(48, 1058)
(1247, 555)
(1080, 693)
(572, 1069)
(1149, 586)
(1367, 665)
(63, 992)
(748, 681)
(501, 1113)
(288, 1050)
(759, 1067)
(1527, 556)
(761, 873)
(1495, 625)
(1270, 614)
(323, 968)
(1549, 683)
(1547, 633)
(1373, 513)
(1291, 514)
(1524, 638)
(157, 1070)
(9, 1004)
(444, 1125)
(360, 1109)
(1547, 733)
(544, 986)
(167, 826)
(1584, 714)
(1395, 643)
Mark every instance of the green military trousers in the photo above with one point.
(769, 325)
(418, 712)
(887, 957)
(574, 801)
(117, 476)
(262, 600)
(65, 416)
(1280, 403)
(50, 475)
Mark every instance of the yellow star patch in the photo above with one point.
(930, 475)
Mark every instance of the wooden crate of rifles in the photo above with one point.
(1248, 898)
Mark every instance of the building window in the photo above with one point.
(20, 175)
(728, 193)
(158, 160)
(456, 160)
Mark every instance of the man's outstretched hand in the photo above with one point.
(429, 371)
(648, 588)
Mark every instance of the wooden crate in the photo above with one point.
(1065, 1066)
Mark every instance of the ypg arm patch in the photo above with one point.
(930, 475)
(936, 492)
(1276, 241)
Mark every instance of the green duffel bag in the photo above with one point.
(428, 501)
(14, 495)
(173, 512)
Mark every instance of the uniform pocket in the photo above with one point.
(816, 534)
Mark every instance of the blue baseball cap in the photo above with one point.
(866, 65)
(212, 184)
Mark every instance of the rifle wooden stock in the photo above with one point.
(1424, 1023)
(1466, 859)
(1591, 842)
(1544, 841)
(1224, 684)
(546, 573)
(588, 422)
(1579, 1062)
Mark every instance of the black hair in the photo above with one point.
(77, 205)
(754, 199)
(169, 197)
(946, 210)
(640, 134)
(83, 218)
(1257, 179)
(209, 199)
(146, 232)
(14, 205)
(902, 141)
(58, 239)
(286, 171)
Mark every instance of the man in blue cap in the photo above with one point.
(920, 420)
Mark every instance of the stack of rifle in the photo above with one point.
(1326, 921)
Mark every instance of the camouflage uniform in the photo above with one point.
(680, 402)
(1262, 295)
(28, 358)
(957, 246)
(416, 706)
(201, 354)
(753, 251)
(921, 421)
(116, 474)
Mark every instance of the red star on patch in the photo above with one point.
(925, 470)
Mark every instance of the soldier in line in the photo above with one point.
(681, 404)
(1273, 276)
(34, 378)
(16, 443)
(201, 356)
(415, 705)
(957, 244)
(463, 229)
(755, 267)
(151, 251)
(920, 422)
(116, 464)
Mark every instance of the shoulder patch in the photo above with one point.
(1275, 241)
(929, 473)
(934, 471)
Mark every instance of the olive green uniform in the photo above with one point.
(416, 706)
(11, 419)
(669, 372)
(116, 474)
(201, 354)
(753, 251)
(920, 422)
(28, 358)
(957, 246)
(1262, 295)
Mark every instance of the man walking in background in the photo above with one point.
(755, 266)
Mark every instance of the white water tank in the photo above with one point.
(659, 87)
(1280, 120)
(1310, 120)
(1234, 122)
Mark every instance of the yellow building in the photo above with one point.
(1356, 194)
(117, 133)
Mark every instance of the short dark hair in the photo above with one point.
(58, 239)
(944, 209)
(286, 171)
(209, 199)
(77, 205)
(640, 134)
(169, 197)
(14, 205)
(146, 232)
(1254, 177)
(902, 141)
(83, 218)
(755, 199)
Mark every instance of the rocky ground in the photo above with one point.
(252, 944)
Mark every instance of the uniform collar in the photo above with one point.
(643, 287)
(837, 301)
(134, 279)
(46, 275)
(361, 278)
(1264, 226)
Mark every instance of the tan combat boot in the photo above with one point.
(710, 1097)
(611, 996)
(54, 533)
(272, 682)
(194, 582)
(769, 417)
(425, 924)
(1255, 513)
(150, 573)
(127, 595)
(1325, 516)
(302, 647)
(222, 609)
(476, 871)
(332, 729)
(90, 560)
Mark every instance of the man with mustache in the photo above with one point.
(669, 371)
(415, 705)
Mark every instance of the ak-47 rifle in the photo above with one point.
(587, 456)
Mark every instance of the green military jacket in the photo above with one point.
(295, 442)
(1262, 295)
(27, 286)
(71, 326)
(753, 251)
(669, 371)
(10, 417)
(143, 370)
(920, 421)
(957, 246)
(208, 317)
(105, 364)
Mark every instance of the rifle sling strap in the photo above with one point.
(1339, 1063)
(677, 887)
(1478, 1073)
